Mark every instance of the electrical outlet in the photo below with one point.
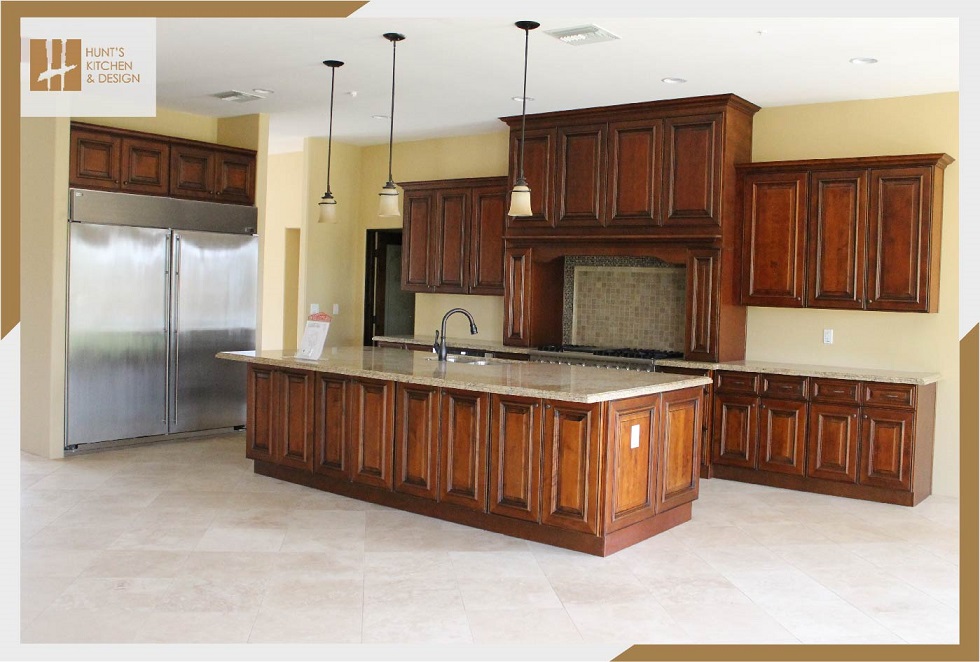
(314, 308)
(828, 336)
(336, 308)
(634, 436)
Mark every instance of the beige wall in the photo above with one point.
(44, 249)
(908, 341)
(167, 123)
(284, 211)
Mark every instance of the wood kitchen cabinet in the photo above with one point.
(833, 442)
(580, 175)
(279, 425)
(263, 410)
(572, 448)
(416, 442)
(113, 159)
(702, 320)
(464, 424)
(515, 457)
(680, 446)
(872, 238)
(540, 158)
(370, 410)
(453, 236)
(633, 181)
(632, 454)
(693, 170)
(331, 432)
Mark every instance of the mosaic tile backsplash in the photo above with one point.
(624, 302)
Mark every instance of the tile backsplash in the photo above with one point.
(624, 302)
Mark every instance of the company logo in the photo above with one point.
(56, 65)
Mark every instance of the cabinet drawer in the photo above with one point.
(890, 395)
(786, 387)
(737, 382)
(835, 390)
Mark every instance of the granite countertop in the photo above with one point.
(461, 343)
(521, 378)
(805, 370)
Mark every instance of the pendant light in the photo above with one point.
(328, 205)
(389, 194)
(520, 195)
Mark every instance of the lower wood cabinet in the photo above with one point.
(886, 448)
(736, 430)
(833, 442)
(263, 409)
(464, 424)
(331, 433)
(631, 461)
(417, 440)
(515, 456)
(370, 412)
(680, 441)
(279, 423)
(572, 439)
(782, 436)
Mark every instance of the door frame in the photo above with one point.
(374, 273)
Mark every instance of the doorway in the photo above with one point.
(388, 310)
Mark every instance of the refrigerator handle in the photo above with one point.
(167, 267)
(176, 319)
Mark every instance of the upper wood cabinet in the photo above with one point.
(861, 233)
(134, 162)
(453, 236)
(658, 169)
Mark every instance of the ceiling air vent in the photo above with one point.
(237, 97)
(582, 35)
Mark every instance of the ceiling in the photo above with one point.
(458, 75)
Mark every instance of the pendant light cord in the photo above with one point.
(333, 76)
(520, 176)
(391, 129)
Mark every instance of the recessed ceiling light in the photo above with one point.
(259, 90)
(380, 117)
(673, 81)
(522, 98)
(352, 94)
(863, 60)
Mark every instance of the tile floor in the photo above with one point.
(181, 542)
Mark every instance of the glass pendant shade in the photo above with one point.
(328, 209)
(520, 200)
(388, 200)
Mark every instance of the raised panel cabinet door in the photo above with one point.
(680, 440)
(191, 172)
(703, 283)
(234, 178)
(145, 166)
(634, 174)
(899, 238)
(331, 427)
(736, 430)
(371, 410)
(539, 172)
(773, 238)
(887, 436)
(262, 398)
(487, 240)
(692, 170)
(295, 447)
(838, 225)
(450, 263)
(517, 296)
(463, 440)
(632, 433)
(515, 457)
(417, 240)
(417, 440)
(832, 442)
(581, 175)
(570, 480)
(94, 160)
(782, 436)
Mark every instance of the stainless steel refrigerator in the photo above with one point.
(156, 287)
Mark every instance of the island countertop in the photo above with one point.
(537, 380)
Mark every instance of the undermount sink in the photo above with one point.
(462, 358)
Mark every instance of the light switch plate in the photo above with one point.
(635, 436)
(828, 336)
(314, 308)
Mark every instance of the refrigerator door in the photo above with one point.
(214, 310)
(118, 303)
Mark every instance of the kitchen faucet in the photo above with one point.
(439, 347)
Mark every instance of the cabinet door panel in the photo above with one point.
(773, 234)
(515, 457)
(487, 240)
(838, 225)
(450, 265)
(235, 178)
(679, 448)
(463, 437)
(417, 440)
(295, 419)
(94, 160)
(632, 434)
(703, 283)
(191, 172)
(886, 448)
(634, 175)
(331, 427)
(417, 247)
(571, 466)
(371, 403)
(899, 239)
(692, 170)
(145, 166)
(782, 442)
(580, 174)
(539, 172)
(517, 292)
(263, 405)
(832, 442)
(736, 430)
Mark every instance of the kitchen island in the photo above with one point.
(584, 458)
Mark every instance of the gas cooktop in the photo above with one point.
(616, 352)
